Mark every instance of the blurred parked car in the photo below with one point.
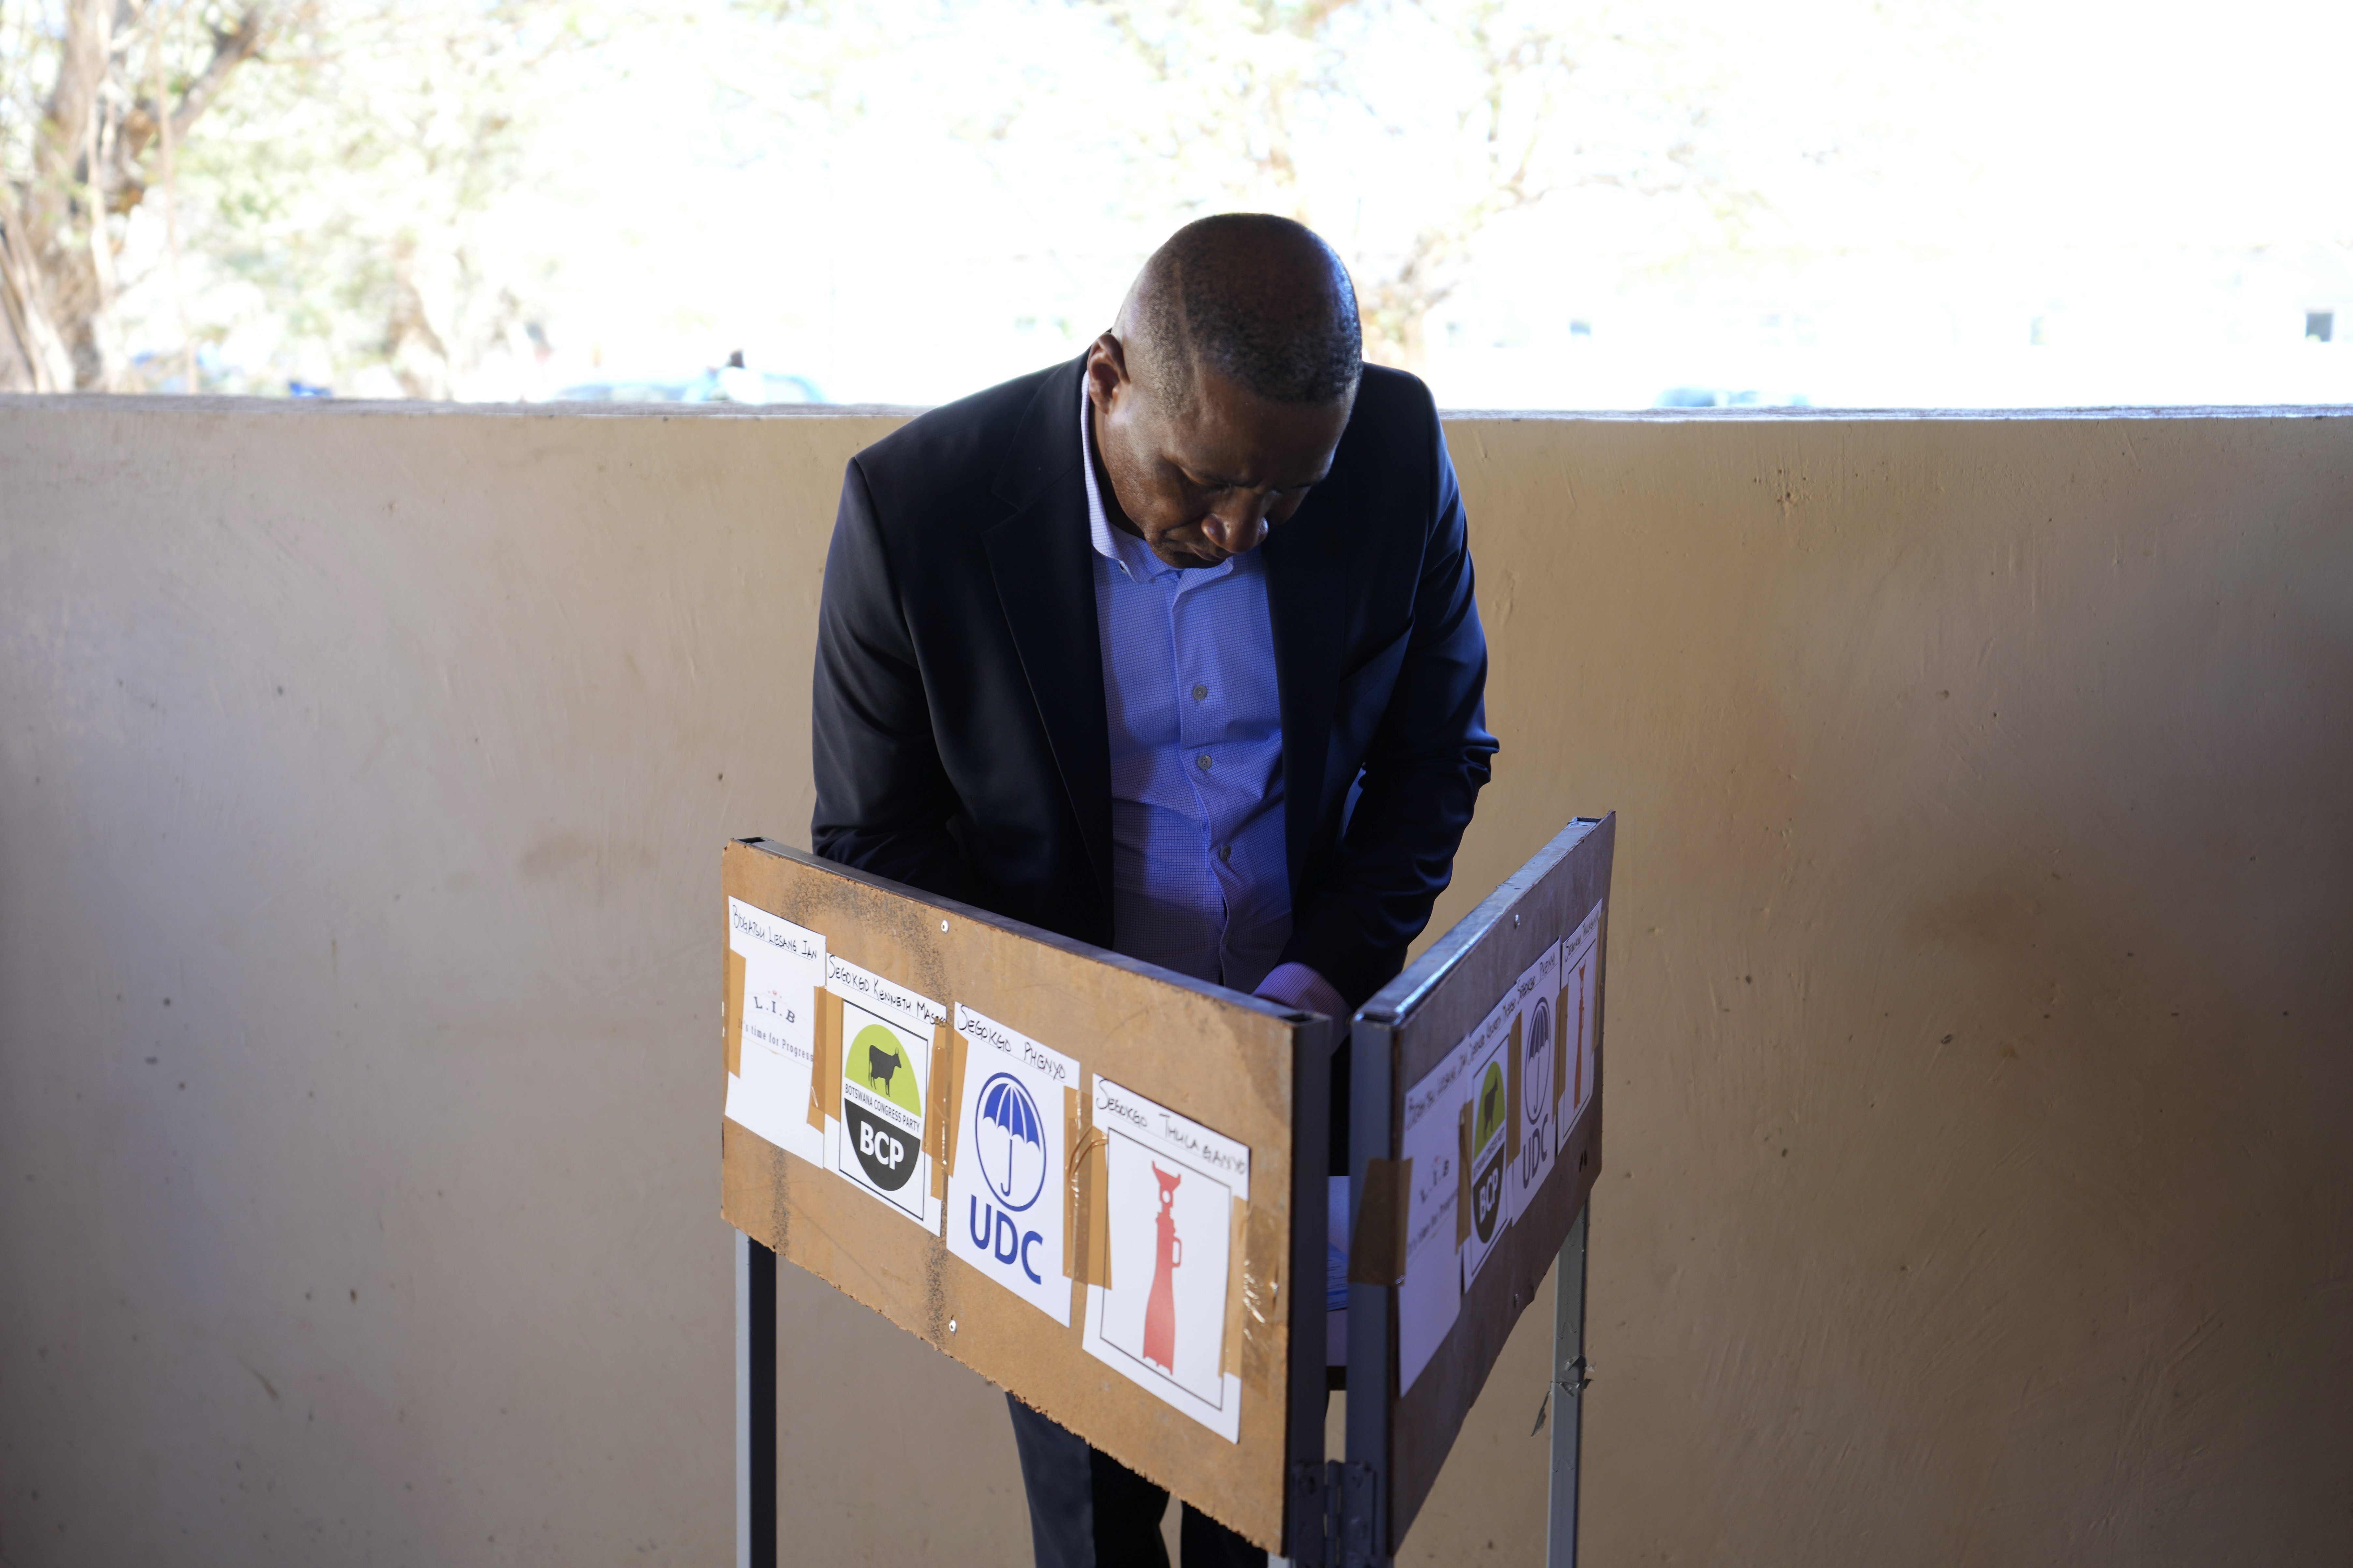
(1718, 397)
(730, 382)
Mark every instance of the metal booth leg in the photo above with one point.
(1568, 1380)
(755, 1405)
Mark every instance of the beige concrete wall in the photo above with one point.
(1977, 1187)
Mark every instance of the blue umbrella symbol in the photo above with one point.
(1005, 1103)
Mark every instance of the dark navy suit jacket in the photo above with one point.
(961, 742)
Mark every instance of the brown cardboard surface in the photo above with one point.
(1549, 903)
(1223, 1059)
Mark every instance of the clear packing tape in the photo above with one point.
(1462, 1175)
(1086, 1223)
(941, 1123)
(1512, 1093)
(731, 1002)
(1377, 1248)
(825, 1072)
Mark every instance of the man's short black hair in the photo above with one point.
(1258, 300)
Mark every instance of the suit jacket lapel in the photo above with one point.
(1043, 564)
(1306, 592)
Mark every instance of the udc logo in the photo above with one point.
(1009, 1139)
(1010, 1142)
(1537, 1098)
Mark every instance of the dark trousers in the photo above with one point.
(1088, 1511)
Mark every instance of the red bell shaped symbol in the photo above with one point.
(1160, 1310)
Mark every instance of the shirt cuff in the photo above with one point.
(1296, 986)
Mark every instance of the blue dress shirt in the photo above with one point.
(1200, 874)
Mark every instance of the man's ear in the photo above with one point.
(1107, 374)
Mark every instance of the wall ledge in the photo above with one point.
(94, 402)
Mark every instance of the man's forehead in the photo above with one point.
(1239, 431)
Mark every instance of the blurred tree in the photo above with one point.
(341, 209)
(358, 210)
(1402, 128)
(77, 159)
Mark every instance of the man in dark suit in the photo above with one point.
(1173, 650)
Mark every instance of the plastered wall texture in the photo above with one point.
(1979, 1189)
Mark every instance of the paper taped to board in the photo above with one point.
(1537, 1038)
(1580, 1022)
(1005, 1190)
(885, 1050)
(1431, 1297)
(1170, 1188)
(1489, 1106)
(774, 1028)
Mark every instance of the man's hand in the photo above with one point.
(1296, 986)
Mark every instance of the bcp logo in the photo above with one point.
(878, 1064)
(1487, 1179)
(886, 1153)
(1009, 1139)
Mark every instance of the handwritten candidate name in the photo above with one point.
(1426, 1096)
(1005, 1042)
(1169, 1129)
(873, 987)
(803, 947)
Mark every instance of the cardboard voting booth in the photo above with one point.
(1092, 1181)
(1103, 1186)
(1474, 1142)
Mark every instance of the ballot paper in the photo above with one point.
(1005, 1192)
(782, 966)
(1170, 1187)
(1431, 1297)
(1536, 1035)
(886, 1058)
(1580, 1024)
(1484, 1127)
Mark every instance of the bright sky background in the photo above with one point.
(1986, 203)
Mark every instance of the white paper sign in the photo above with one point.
(783, 964)
(1171, 1187)
(1005, 1195)
(1432, 1295)
(1535, 997)
(886, 1054)
(1580, 1026)
(1489, 1091)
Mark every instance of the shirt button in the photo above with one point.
(1200, 694)
(1225, 852)
(1204, 761)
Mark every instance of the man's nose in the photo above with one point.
(1241, 528)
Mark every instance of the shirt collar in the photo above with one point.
(1099, 527)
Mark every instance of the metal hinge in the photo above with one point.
(1312, 1509)
(1343, 1496)
(1358, 1487)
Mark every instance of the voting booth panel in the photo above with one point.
(1092, 1181)
(1475, 1128)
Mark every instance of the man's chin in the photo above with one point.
(1189, 556)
